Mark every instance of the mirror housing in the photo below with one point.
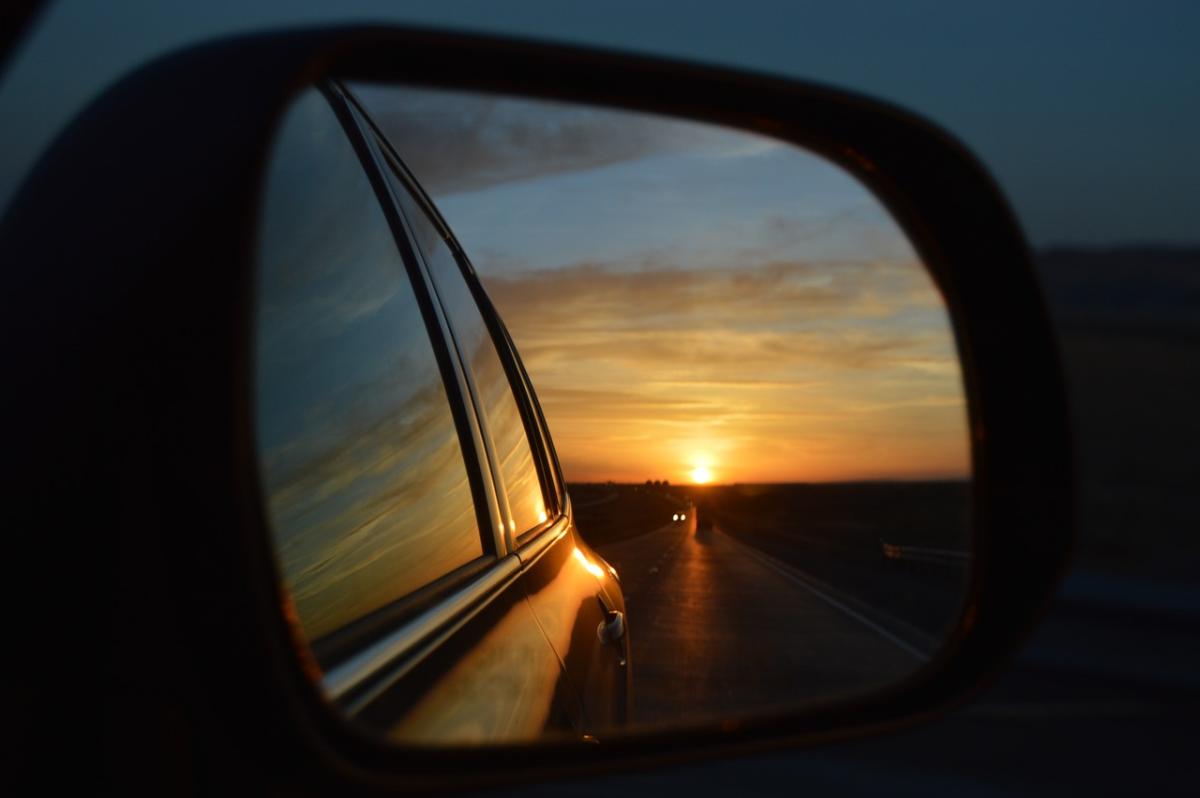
(130, 313)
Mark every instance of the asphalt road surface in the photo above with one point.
(720, 629)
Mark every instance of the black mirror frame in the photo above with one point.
(157, 328)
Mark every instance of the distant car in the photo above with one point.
(412, 487)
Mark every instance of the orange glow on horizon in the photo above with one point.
(693, 396)
(774, 368)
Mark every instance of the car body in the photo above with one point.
(441, 592)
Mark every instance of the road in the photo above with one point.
(720, 629)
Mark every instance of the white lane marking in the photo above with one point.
(789, 574)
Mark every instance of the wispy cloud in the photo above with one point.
(462, 142)
(781, 289)
(781, 370)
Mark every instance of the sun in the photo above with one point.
(701, 475)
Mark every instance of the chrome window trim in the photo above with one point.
(497, 500)
(530, 551)
(388, 161)
(504, 534)
(359, 680)
(556, 489)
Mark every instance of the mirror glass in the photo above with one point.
(574, 421)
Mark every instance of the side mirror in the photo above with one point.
(215, 521)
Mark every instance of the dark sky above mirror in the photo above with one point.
(1085, 117)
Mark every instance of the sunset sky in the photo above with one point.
(686, 296)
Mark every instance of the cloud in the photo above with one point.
(840, 313)
(758, 328)
(784, 369)
(459, 141)
(358, 494)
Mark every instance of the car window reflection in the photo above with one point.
(368, 494)
(526, 499)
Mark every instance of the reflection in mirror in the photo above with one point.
(366, 486)
(728, 352)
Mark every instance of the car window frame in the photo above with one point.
(536, 432)
(554, 486)
(549, 472)
(382, 626)
(486, 312)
